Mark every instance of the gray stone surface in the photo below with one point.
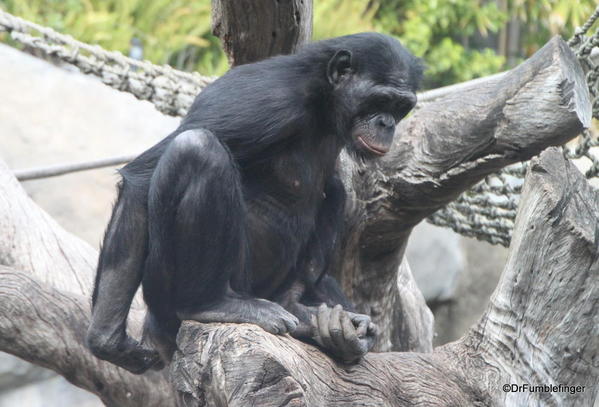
(457, 276)
(484, 264)
(49, 115)
(436, 260)
(53, 392)
(15, 372)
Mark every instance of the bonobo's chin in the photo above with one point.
(367, 149)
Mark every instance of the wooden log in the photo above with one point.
(47, 326)
(540, 329)
(440, 151)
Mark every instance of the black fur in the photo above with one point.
(242, 201)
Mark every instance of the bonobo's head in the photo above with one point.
(373, 80)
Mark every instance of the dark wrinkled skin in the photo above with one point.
(234, 216)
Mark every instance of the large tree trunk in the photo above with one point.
(541, 328)
(253, 30)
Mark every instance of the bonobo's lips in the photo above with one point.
(375, 149)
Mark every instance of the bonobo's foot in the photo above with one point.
(346, 335)
(268, 315)
(125, 352)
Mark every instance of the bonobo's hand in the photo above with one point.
(346, 335)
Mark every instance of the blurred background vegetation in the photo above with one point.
(458, 39)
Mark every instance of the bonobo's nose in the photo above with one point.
(385, 121)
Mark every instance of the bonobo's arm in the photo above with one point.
(326, 315)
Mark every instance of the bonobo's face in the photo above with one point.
(378, 110)
(372, 98)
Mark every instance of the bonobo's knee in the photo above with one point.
(201, 149)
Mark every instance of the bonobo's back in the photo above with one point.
(294, 88)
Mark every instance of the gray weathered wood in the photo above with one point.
(253, 30)
(542, 327)
(45, 302)
(441, 150)
(47, 326)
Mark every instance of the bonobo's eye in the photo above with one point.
(402, 108)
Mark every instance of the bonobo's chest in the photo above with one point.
(283, 199)
(293, 178)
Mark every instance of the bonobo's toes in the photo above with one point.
(275, 319)
(291, 323)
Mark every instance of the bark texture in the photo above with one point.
(46, 277)
(47, 326)
(541, 328)
(441, 150)
(251, 30)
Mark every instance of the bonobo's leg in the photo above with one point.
(196, 267)
(118, 277)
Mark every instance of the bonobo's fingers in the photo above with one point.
(335, 329)
(356, 346)
(323, 326)
(360, 321)
(365, 328)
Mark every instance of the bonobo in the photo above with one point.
(234, 216)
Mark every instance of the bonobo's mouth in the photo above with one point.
(375, 149)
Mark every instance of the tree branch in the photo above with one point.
(454, 142)
(441, 150)
(542, 328)
(44, 311)
(47, 327)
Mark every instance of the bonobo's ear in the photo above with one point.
(339, 65)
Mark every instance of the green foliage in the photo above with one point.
(545, 18)
(172, 31)
(456, 38)
(438, 31)
(333, 18)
